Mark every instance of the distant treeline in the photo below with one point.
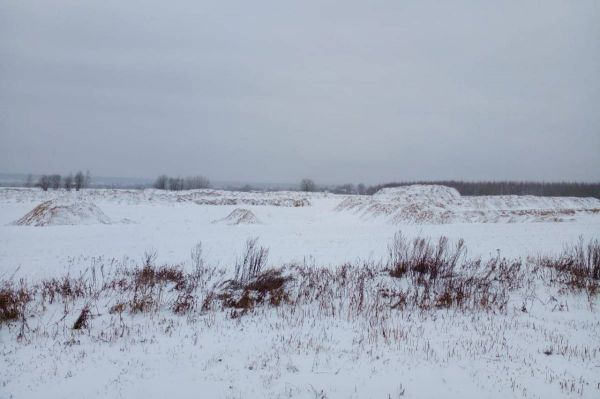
(165, 182)
(557, 189)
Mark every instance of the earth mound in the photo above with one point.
(56, 213)
(239, 216)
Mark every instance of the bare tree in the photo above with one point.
(175, 183)
(196, 182)
(361, 189)
(55, 182)
(161, 182)
(308, 185)
(344, 189)
(87, 181)
(79, 181)
(29, 181)
(44, 182)
(68, 182)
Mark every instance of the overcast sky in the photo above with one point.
(272, 91)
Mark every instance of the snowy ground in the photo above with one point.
(313, 234)
(307, 353)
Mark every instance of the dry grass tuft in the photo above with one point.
(267, 287)
(578, 266)
(422, 256)
(82, 320)
(253, 260)
(13, 301)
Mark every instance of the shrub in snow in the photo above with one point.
(252, 262)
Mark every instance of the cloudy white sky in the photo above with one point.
(275, 90)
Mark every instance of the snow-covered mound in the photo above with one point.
(57, 212)
(439, 204)
(239, 216)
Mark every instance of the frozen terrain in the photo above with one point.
(297, 227)
(341, 326)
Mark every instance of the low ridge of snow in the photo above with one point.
(57, 212)
(439, 205)
(153, 196)
(419, 191)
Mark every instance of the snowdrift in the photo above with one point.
(57, 212)
(239, 216)
(439, 204)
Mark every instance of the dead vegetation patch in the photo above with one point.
(421, 256)
(420, 275)
(439, 276)
(65, 288)
(577, 267)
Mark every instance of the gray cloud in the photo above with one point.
(273, 91)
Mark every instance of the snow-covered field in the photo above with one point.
(296, 227)
(544, 343)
